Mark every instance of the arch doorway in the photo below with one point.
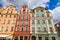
(33, 38)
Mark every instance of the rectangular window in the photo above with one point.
(18, 28)
(43, 21)
(38, 29)
(26, 28)
(6, 28)
(1, 28)
(14, 16)
(38, 21)
(42, 15)
(12, 28)
(48, 15)
(22, 17)
(33, 22)
(13, 22)
(45, 29)
(26, 17)
(46, 38)
(32, 15)
(41, 10)
(21, 37)
(51, 29)
(1, 16)
(4, 21)
(37, 15)
(49, 21)
(53, 38)
(8, 22)
(10, 16)
(25, 38)
(40, 38)
(5, 16)
(33, 29)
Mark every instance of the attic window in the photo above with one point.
(41, 10)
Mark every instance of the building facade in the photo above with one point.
(41, 25)
(7, 22)
(27, 24)
(57, 27)
(22, 29)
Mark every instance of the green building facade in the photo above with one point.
(41, 25)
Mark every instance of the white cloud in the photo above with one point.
(30, 3)
(56, 14)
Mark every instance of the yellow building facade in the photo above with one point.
(7, 22)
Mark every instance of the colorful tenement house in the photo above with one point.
(22, 29)
(7, 22)
(41, 25)
(27, 24)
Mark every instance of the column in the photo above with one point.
(37, 37)
(18, 37)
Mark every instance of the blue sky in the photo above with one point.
(51, 5)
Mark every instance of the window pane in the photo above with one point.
(43, 21)
(8, 21)
(46, 38)
(51, 30)
(38, 29)
(12, 28)
(53, 38)
(33, 29)
(47, 15)
(33, 22)
(38, 21)
(49, 21)
(6, 28)
(45, 29)
(32, 15)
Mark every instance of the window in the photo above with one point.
(1, 15)
(14, 16)
(49, 21)
(33, 22)
(43, 21)
(16, 38)
(17, 28)
(4, 21)
(26, 28)
(38, 21)
(51, 30)
(48, 15)
(6, 28)
(13, 22)
(6, 16)
(26, 22)
(40, 38)
(53, 38)
(10, 16)
(37, 15)
(22, 29)
(26, 17)
(22, 17)
(25, 38)
(45, 29)
(8, 21)
(41, 10)
(12, 28)
(22, 22)
(33, 29)
(32, 15)
(46, 38)
(1, 28)
(38, 29)
(37, 10)
(42, 15)
(21, 37)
